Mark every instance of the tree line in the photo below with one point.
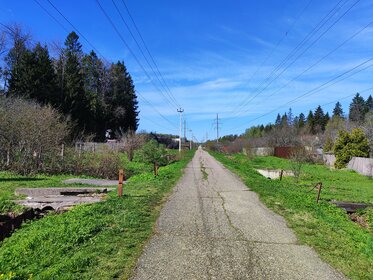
(317, 128)
(93, 94)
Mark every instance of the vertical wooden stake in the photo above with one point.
(120, 183)
(281, 173)
(155, 169)
(318, 193)
(62, 150)
(8, 157)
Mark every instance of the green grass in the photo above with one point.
(97, 241)
(328, 229)
(9, 181)
(341, 185)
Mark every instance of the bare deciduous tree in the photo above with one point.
(132, 141)
(30, 135)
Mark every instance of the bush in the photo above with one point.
(350, 145)
(152, 152)
(30, 135)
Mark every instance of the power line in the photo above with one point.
(325, 56)
(146, 48)
(217, 127)
(277, 45)
(325, 85)
(269, 80)
(131, 51)
(72, 25)
(169, 94)
(347, 96)
(159, 113)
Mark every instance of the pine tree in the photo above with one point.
(93, 71)
(75, 101)
(311, 122)
(338, 111)
(21, 74)
(290, 117)
(369, 103)
(357, 109)
(278, 120)
(319, 119)
(302, 120)
(284, 120)
(122, 100)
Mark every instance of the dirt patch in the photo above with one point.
(359, 220)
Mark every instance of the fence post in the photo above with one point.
(120, 183)
(318, 192)
(8, 157)
(155, 169)
(281, 174)
(62, 150)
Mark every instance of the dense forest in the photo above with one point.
(93, 94)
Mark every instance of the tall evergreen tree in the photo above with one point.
(302, 120)
(338, 111)
(122, 100)
(311, 122)
(33, 76)
(284, 120)
(319, 119)
(278, 120)
(93, 71)
(75, 102)
(357, 109)
(369, 103)
(290, 117)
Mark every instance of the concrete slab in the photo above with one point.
(274, 174)
(34, 192)
(96, 182)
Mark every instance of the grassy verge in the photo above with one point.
(10, 181)
(344, 244)
(98, 241)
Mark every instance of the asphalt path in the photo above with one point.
(214, 227)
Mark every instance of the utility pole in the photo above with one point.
(184, 131)
(191, 139)
(180, 111)
(217, 128)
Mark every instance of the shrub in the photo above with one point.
(30, 135)
(348, 145)
(152, 152)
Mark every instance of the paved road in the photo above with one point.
(214, 227)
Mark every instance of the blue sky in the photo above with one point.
(221, 57)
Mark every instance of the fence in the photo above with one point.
(263, 151)
(283, 152)
(98, 147)
(361, 165)
(329, 159)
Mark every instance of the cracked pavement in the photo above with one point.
(214, 227)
